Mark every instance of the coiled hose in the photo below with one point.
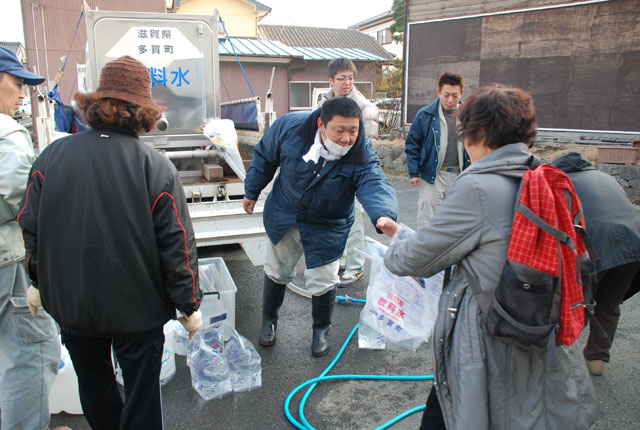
(305, 425)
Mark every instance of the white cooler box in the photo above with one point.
(64, 395)
(219, 293)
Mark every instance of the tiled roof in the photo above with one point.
(270, 48)
(319, 37)
(11, 46)
(311, 53)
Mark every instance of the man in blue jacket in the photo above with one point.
(325, 160)
(435, 156)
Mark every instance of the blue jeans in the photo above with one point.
(29, 355)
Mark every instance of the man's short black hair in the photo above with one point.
(342, 106)
(340, 64)
(450, 78)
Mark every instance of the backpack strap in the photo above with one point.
(564, 238)
(483, 298)
(589, 303)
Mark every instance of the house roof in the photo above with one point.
(375, 20)
(11, 46)
(274, 48)
(255, 47)
(325, 38)
(259, 6)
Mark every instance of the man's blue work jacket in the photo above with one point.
(423, 144)
(317, 197)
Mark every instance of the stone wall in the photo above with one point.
(627, 176)
(392, 157)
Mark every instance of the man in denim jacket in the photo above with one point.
(435, 156)
(29, 348)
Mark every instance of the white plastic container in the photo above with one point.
(168, 369)
(219, 293)
(64, 395)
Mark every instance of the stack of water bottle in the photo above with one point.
(218, 366)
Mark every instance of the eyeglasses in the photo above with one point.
(345, 78)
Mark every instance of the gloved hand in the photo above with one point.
(33, 300)
(191, 323)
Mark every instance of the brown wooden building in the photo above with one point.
(579, 59)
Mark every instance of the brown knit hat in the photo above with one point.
(127, 79)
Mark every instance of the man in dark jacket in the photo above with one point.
(435, 156)
(614, 227)
(111, 249)
(325, 160)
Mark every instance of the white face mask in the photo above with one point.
(334, 148)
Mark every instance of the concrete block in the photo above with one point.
(212, 172)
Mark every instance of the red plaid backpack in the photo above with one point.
(549, 278)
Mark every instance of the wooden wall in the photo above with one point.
(581, 63)
(422, 10)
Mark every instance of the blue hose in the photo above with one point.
(343, 299)
(305, 425)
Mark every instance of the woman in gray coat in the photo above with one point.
(480, 381)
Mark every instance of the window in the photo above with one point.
(384, 36)
(300, 93)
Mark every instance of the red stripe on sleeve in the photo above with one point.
(186, 248)
(26, 264)
(26, 201)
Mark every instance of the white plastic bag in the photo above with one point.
(400, 309)
(181, 342)
(222, 133)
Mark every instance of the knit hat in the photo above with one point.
(127, 79)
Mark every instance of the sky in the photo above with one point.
(11, 22)
(322, 13)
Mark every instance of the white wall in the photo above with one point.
(394, 47)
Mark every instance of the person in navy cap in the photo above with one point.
(29, 348)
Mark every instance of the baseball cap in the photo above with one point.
(9, 63)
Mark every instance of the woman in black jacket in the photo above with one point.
(111, 249)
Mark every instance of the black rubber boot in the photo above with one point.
(272, 298)
(322, 308)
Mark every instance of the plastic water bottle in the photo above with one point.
(209, 367)
(168, 369)
(244, 363)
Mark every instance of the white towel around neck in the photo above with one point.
(317, 150)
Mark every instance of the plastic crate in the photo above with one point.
(219, 292)
(617, 154)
